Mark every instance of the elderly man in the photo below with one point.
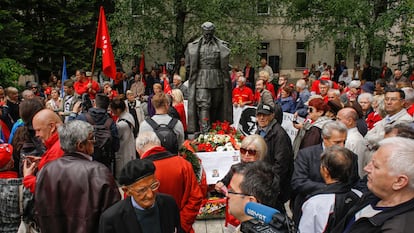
(209, 96)
(45, 124)
(73, 191)
(396, 113)
(178, 180)
(306, 177)
(355, 142)
(242, 95)
(303, 97)
(390, 206)
(178, 84)
(280, 152)
(144, 210)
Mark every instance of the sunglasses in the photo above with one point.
(250, 152)
(310, 109)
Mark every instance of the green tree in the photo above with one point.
(365, 25)
(139, 24)
(10, 71)
(38, 33)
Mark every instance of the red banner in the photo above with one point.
(103, 42)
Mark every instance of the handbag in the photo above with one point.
(25, 227)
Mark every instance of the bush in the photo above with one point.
(10, 71)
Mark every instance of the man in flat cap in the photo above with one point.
(280, 152)
(209, 90)
(143, 210)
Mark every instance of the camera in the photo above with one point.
(279, 224)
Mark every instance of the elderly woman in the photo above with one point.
(253, 148)
(310, 131)
(264, 75)
(378, 113)
(365, 100)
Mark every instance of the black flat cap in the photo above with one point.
(135, 170)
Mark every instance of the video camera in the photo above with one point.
(266, 220)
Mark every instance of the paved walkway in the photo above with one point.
(209, 226)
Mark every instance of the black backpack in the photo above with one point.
(166, 134)
(103, 151)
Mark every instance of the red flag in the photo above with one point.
(103, 42)
(167, 87)
(142, 64)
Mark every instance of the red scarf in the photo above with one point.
(153, 150)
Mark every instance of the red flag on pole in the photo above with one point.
(103, 42)
(142, 64)
(167, 87)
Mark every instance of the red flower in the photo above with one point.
(221, 132)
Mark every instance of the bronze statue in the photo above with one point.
(207, 63)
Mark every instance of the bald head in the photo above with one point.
(45, 124)
(348, 116)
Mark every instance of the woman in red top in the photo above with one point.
(378, 113)
(178, 104)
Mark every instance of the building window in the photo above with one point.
(300, 55)
(263, 7)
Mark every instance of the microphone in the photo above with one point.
(260, 212)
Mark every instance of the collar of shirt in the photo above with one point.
(136, 206)
(390, 119)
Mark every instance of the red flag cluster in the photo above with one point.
(103, 42)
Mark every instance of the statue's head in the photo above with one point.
(208, 30)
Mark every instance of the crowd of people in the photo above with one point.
(349, 168)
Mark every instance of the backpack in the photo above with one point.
(103, 151)
(166, 134)
(135, 130)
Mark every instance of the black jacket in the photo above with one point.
(121, 217)
(280, 156)
(395, 219)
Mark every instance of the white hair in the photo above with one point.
(147, 138)
(401, 157)
(409, 94)
(367, 96)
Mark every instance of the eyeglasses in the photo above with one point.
(243, 151)
(230, 191)
(310, 109)
(386, 99)
(154, 186)
(93, 139)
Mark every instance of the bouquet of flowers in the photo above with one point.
(221, 137)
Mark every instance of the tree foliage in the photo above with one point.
(38, 33)
(140, 24)
(363, 25)
(10, 71)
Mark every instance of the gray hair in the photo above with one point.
(400, 159)
(72, 133)
(336, 92)
(301, 84)
(367, 96)
(258, 142)
(409, 94)
(147, 138)
(330, 126)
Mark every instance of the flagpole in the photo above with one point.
(96, 39)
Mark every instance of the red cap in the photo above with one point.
(6, 151)
(306, 72)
